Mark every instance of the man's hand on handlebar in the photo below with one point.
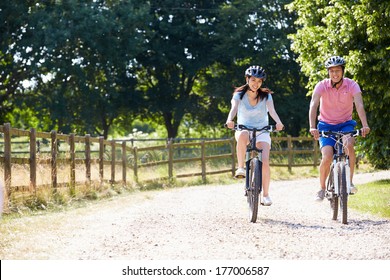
(315, 133)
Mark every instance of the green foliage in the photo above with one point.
(13, 17)
(263, 41)
(360, 32)
(96, 66)
(79, 54)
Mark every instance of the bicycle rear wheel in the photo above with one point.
(343, 192)
(254, 189)
(333, 199)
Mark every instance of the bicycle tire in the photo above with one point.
(343, 193)
(254, 190)
(334, 201)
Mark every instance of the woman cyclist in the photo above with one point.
(252, 103)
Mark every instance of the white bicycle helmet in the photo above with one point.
(335, 61)
(256, 71)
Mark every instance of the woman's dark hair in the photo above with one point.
(261, 92)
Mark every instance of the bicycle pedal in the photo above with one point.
(239, 177)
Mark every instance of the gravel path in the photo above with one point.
(202, 223)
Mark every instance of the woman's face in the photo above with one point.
(335, 73)
(254, 83)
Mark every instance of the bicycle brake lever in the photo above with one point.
(358, 132)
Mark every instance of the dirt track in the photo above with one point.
(200, 223)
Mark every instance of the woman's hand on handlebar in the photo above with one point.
(230, 124)
(279, 126)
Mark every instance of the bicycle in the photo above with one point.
(254, 165)
(338, 185)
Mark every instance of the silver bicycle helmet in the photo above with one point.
(256, 71)
(334, 61)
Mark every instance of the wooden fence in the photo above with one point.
(114, 155)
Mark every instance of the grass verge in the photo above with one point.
(374, 198)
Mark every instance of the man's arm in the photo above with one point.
(314, 103)
(362, 113)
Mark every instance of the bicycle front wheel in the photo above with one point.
(343, 192)
(254, 188)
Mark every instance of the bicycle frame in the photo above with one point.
(338, 186)
(253, 163)
(251, 150)
(339, 155)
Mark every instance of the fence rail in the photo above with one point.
(60, 150)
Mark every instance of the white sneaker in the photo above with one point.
(353, 189)
(240, 173)
(320, 195)
(267, 201)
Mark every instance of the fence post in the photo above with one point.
(54, 147)
(113, 161)
(124, 163)
(203, 155)
(135, 154)
(290, 155)
(101, 159)
(88, 158)
(170, 159)
(33, 160)
(72, 164)
(7, 165)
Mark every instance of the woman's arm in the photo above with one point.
(274, 115)
(232, 113)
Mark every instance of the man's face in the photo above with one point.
(335, 73)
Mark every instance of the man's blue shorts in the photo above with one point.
(346, 126)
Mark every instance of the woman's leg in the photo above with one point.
(242, 138)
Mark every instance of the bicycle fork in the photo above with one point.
(247, 166)
(336, 177)
(336, 169)
(348, 175)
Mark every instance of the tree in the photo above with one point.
(360, 32)
(195, 44)
(263, 41)
(13, 70)
(81, 53)
(97, 63)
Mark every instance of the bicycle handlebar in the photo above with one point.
(269, 128)
(328, 133)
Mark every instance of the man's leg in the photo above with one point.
(327, 156)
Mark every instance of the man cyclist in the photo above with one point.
(335, 96)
